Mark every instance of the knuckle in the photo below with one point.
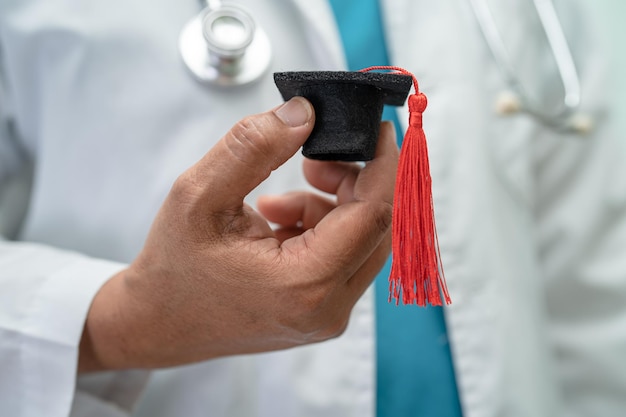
(317, 319)
(186, 201)
(247, 141)
(305, 314)
(332, 328)
(336, 328)
(185, 187)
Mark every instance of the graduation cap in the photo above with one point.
(348, 108)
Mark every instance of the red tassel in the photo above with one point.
(416, 271)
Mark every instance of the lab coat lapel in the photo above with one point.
(495, 320)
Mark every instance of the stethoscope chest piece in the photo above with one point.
(223, 46)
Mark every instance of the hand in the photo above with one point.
(213, 279)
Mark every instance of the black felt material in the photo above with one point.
(348, 108)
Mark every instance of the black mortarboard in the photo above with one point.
(348, 108)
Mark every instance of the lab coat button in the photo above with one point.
(507, 103)
(582, 123)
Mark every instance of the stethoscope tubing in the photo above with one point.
(560, 49)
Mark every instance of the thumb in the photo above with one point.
(250, 151)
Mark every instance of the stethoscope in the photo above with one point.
(564, 118)
(224, 46)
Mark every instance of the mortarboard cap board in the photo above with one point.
(348, 109)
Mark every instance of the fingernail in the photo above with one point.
(296, 112)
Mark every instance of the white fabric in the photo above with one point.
(40, 328)
(532, 224)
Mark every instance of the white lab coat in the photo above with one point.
(532, 224)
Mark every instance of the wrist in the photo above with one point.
(112, 336)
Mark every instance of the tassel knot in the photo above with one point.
(417, 103)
